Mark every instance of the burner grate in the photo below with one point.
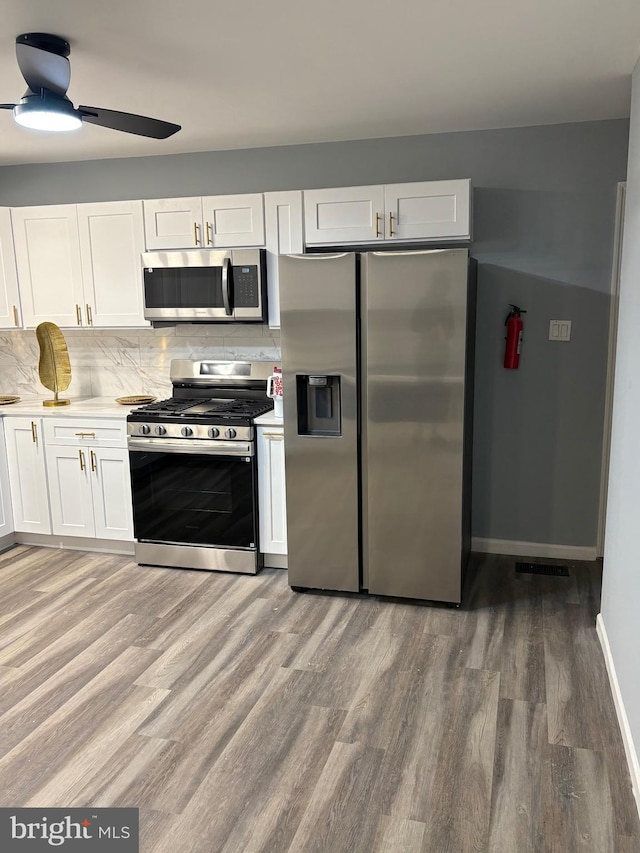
(203, 410)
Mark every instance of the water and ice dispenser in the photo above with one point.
(318, 400)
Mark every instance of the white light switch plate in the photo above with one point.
(559, 330)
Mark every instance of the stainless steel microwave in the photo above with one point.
(206, 286)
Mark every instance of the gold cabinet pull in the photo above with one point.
(79, 315)
(16, 321)
(209, 234)
(378, 225)
(93, 460)
(81, 455)
(391, 234)
(34, 433)
(277, 435)
(89, 315)
(195, 234)
(86, 434)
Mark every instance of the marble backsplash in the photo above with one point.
(118, 362)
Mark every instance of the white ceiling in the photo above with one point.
(247, 73)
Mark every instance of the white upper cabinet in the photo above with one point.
(10, 313)
(284, 236)
(233, 220)
(48, 261)
(212, 222)
(80, 265)
(111, 242)
(173, 223)
(344, 215)
(430, 210)
(426, 211)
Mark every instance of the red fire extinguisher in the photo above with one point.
(514, 326)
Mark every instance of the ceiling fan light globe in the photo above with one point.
(38, 115)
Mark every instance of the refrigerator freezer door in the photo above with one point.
(318, 323)
(414, 348)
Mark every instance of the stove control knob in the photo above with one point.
(186, 431)
(230, 433)
(145, 429)
(214, 432)
(160, 430)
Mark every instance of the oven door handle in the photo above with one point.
(198, 446)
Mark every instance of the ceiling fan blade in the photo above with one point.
(7, 106)
(129, 122)
(43, 69)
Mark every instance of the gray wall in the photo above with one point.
(621, 580)
(543, 228)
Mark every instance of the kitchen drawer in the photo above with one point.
(74, 431)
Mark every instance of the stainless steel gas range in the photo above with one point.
(194, 471)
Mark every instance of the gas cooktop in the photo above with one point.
(200, 410)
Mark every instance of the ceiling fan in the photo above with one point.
(43, 62)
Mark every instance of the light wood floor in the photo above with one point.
(240, 716)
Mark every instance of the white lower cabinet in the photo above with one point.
(272, 504)
(27, 475)
(89, 484)
(70, 491)
(6, 515)
(111, 490)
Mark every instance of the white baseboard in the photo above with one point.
(623, 722)
(7, 541)
(275, 561)
(533, 549)
(76, 543)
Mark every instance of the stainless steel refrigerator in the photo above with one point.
(377, 355)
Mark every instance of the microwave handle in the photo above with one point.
(226, 286)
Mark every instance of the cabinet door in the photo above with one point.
(70, 491)
(233, 220)
(173, 223)
(6, 517)
(432, 210)
(10, 315)
(111, 487)
(111, 242)
(48, 261)
(272, 505)
(344, 215)
(27, 475)
(283, 224)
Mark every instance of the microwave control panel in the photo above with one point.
(246, 287)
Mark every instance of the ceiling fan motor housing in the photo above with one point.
(45, 41)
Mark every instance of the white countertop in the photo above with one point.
(89, 407)
(269, 419)
(94, 407)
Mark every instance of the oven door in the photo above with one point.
(194, 496)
